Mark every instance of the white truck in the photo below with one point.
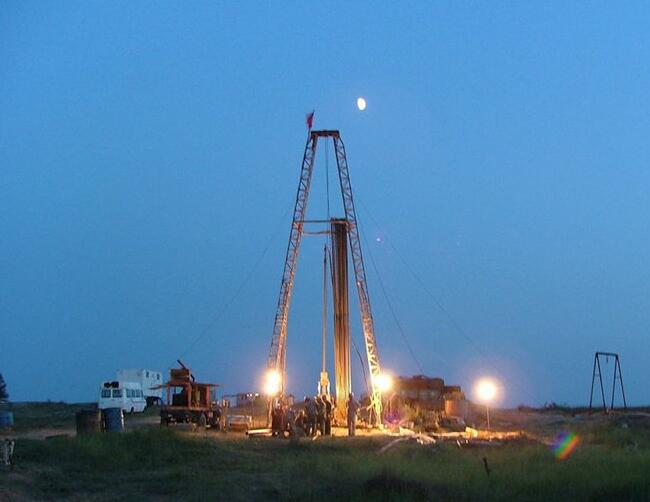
(150, 381)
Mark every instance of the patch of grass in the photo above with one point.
(29, 416)
(610, 463)
(163, 464)
(52, 415)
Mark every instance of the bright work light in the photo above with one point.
(485, 390)
(272, 383)
(384, 382)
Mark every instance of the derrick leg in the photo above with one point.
(277, 353)
(360, 276)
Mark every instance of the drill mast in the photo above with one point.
(277, 353)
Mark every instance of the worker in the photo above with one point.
(353, 407)
(283, 422)
(222, 416)
(276, 420)
(299, 425)
(329, 409)
(283, 419)
(320, 415)
(289, 421)
(7, 458)
(305, 417)
(312, 412)
(216, 421)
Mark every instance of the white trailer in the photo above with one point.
(149, 380)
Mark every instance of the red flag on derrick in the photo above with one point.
(310, 120)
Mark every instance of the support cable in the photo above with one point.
(362, 363)
(457, 327)
(327, 239)
(390, 306)
(327, 176)
(324, 327)
(237, 292)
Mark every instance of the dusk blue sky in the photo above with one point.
(150, 153)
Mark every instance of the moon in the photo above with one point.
(361, 104)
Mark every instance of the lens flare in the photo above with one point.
(564, 444)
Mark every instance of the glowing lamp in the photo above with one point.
(272, 382)
(384, 382)
(486, 390)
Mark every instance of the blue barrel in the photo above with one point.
(113, 420)
(6, 419)
(88, 421)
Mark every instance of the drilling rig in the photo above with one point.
(343, 230)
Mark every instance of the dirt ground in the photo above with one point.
(546, 424)
(150, 462)
(134, 422)
(540, 424)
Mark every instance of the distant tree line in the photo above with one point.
(4, 395)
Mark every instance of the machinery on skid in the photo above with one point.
(341, 229)
(189, 401)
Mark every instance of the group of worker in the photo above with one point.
(314, 418)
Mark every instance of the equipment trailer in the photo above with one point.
(189, 401)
